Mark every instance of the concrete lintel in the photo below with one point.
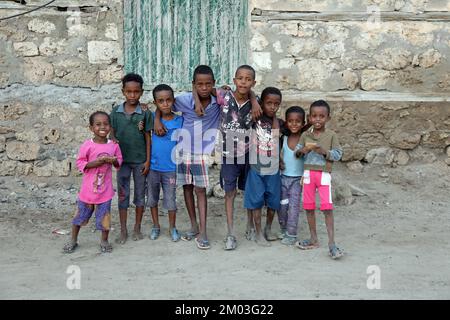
(269, 15)
(365, 96)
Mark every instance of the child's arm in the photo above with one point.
(215, 91)
(148, 141)
(83, 162)
(301, 148)
(282, 165)
(112, 135)
(335, 154)
(158, 127)
(256, 108)
(148, 144)
(118, 158)
(97, 163)
(198, 105)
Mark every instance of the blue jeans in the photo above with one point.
(262, 190)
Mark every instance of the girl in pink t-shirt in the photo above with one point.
(95, 160)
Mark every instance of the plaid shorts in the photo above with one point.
(193, 169)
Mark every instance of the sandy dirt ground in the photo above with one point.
(402, 227)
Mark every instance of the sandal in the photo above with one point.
(174, 235)
(106, 247)
(202, 244)
(306, 244)
(282, 234)
(188, 236)
(70, 247)
(289, 240)
(250, 234)
(154, 234)
(230, 242)
(335, 252)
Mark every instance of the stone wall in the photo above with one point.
(72, 44)
(388, 85)
(399, 46)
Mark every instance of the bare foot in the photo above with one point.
(122, 238)
(269, 235)
(137, 235)
(261, 241)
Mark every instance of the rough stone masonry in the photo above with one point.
(383, 65)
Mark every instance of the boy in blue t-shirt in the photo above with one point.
(162, 165)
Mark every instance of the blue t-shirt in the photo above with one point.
(163, 147)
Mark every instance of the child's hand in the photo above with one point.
(146, 168)
(111, 159)
(199, 111)
(141, 125)
(256, 108)
(256, 113)
(144, 107)
(282, 165)
(301, 152)
(159, 128)
(102, 160)
(319, 150)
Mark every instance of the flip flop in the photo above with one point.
(189, 235)
(230, 242)
(306, 245)
(105, 247)
(155, 233)
(70, 247)
(335, 252)
(250, 234)
(202, 244)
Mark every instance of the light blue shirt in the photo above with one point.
(199, 133)
(293, 165)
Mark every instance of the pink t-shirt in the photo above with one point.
(97, 186)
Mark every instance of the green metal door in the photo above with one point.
(166, 39)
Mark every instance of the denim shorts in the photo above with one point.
(123, 185)
(262, 190)
(166, 180)
(233, 174)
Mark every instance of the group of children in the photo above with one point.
(278, 164)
